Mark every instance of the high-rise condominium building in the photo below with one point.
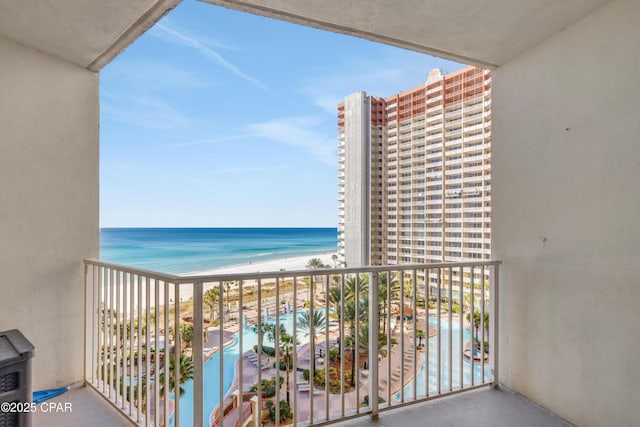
(415, 172)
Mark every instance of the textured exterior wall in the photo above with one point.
(48, 205)
(356, 212)
(565, 218)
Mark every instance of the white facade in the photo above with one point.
(354, 203)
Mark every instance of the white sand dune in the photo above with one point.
(289, 264)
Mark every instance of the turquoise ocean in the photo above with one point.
(184, 250)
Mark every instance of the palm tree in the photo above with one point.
(270, 331)
(131, 393)
(363, 340)
(477, 323)
(360, 282)
(288, 344)
(210, 299)
(186, 333)
(262, 330)
(420, 335)
(185, 373)
(316, 264)
(124, 327)
(319, 321)
(335, 298)
(355, 313)
(393, 292)
(408, 288)
(306, 320)
(227, 289)
(334, 257)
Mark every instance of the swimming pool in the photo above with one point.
(444, 362)
(211, 368)
(211, 371)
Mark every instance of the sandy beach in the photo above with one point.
(291, 264)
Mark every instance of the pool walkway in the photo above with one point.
(304, 392)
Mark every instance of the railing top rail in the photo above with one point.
(133, 270)
(190, 278)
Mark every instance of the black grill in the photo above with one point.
(8, 382)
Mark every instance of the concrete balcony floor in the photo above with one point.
(480, 408)
(88, 408)
(483, 407)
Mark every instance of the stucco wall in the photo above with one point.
(357, 125)
(566, 211)
(48, 205)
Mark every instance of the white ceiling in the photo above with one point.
(482, 32)
(90, 33)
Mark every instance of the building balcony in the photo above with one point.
(118, 354)
(156, 304)
(565, 300)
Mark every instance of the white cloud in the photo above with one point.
(394, 72)
(216, 140)
(299, 132)
(156, 75)
(251, 169)
(143, 111)
(204, 47)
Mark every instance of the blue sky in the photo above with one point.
(217, 118)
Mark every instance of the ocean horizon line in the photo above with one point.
(188, 249)
(217, 228)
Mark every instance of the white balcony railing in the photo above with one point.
(408, 338)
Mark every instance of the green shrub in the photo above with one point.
(319, 377)
(455, 308)
(366, 400)
(334, 379)
(334, 354)
(283, 365)
(347, 376)
(269, 351)
(267, 386)
(305, 374)
(285, 410)
(486, 345)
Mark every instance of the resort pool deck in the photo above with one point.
(420, 379)
(211, 369)
(231, 353)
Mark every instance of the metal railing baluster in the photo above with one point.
(472, 298)
(450, 340)
(176, 355)
(198, 345)
(120, 344)
(439, 336)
